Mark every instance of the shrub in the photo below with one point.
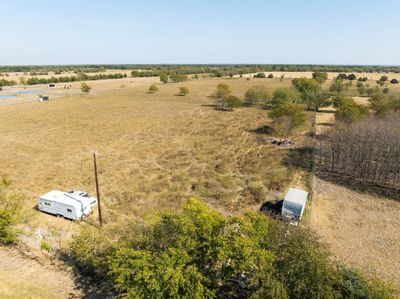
(283, 94)
(46, 246)
(348, 111)
(232, 102)
(183, 91)
(85, 87)
(383, 78)
(257, 94)
(153, 88)
(223, 91)
(164, 78)
(260, 75)
(270, 76)
(363, 79)
(293, 112)
(9, 213)
(394, 81)
(351, 77)
(320, 77)
(7, 233)
(178, 77)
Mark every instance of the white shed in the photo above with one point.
(294, 204)
(72, 205)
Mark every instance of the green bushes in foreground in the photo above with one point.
(9, 213)
(198, 253)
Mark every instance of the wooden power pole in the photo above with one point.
(97, 188)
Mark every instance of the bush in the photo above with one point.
(286, 117)
(257, 94)
(183, 91)
(153, 88)
(232, 102)
(351, 77)
(9, 213)
(164, 78)
(260, 75)
(384, 78)
(283, 94)
(363, 79)
(270, 76)
(85, 87)
(394, 81)
(7, 232)
(46, 246)
(320, 77)
(178, 77)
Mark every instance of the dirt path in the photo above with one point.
(21, 277)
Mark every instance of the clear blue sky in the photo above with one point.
(200, 31)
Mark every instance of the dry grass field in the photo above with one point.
(155, 150)
(26, 278)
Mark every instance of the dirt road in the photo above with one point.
(22, 277)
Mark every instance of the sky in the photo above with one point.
(200, 32)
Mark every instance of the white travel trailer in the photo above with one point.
(73, 205)
(294, 204)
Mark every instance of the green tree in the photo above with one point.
(257, 94)
(285, 94)
(183, 90)
(384, 78)
(85, 87)
(153, 88)
(337, 86)
(348, 111)
(178, 77)
(164, 77)
(222, 91)
(320, 77)
(311, 94)
(351, 77)
(10, 207)
(293, 112)
(260, 75)
(232, 102)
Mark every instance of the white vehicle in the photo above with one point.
(73, 205)
(294, 204)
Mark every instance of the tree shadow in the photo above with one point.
(264, 130)
(300, 158)
(89, 287)
(272, 207)
(356, 184)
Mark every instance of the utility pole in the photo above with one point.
(97, 188)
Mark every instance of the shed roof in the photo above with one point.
(297, 196)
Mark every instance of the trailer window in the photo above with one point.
(69, 210)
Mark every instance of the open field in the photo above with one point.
(155, 150)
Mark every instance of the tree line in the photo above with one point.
(79, 77)
(225, 69)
